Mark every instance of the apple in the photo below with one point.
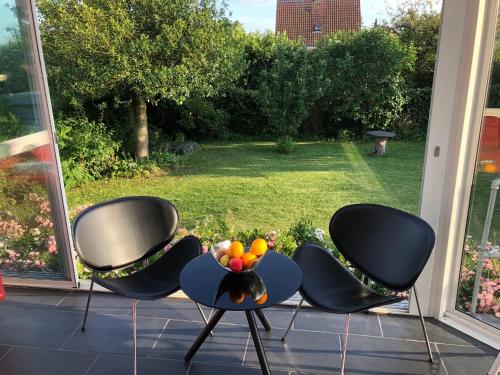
(236, 264)
(225, 260)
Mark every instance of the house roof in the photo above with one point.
(312, 19)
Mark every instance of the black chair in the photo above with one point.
(123, 232)
(387, 245)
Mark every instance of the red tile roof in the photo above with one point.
(312, 19)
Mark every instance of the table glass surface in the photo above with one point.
(206, 282)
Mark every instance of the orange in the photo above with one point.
(237, 296)
(262, 299)
(259, 247)
(236, 250)
(248, 259)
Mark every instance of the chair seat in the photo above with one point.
(348, 299)
(329, 286)
(159, 279)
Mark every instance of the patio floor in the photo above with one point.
(40, 334)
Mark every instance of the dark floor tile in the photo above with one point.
(171, 308)
(31, 361)
(226, 346)
(5, 311)
(209, 369)
(311, 352)
(44, 328)
(409, 327)
(113, 334)
(4, 349)
(380, 356)
(34, 298)
(103, 303)
(467, 360)
(279, 317)
(361, 323)
(123, 365)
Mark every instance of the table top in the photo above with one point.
(274, 280)
(381, 134)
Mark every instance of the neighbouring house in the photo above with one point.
(310, 20)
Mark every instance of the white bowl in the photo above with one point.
(225, 245)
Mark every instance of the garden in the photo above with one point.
(281, 128)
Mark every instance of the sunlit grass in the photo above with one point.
(252, 185)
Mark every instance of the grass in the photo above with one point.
(251, 185)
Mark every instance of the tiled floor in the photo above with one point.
(39, 334)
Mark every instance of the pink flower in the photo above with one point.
(204, 249)
(51, 245)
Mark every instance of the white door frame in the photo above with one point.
(460, 87)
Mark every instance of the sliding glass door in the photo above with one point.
(34, 242)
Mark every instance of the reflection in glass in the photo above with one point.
(479, 284)
(28, 240)
(242, 285)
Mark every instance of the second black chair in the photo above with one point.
(389, 246)
(122, 232)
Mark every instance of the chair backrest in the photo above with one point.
(388, 245)
(120, 232)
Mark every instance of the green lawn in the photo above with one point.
(251, 185)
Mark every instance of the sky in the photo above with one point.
(259, 15)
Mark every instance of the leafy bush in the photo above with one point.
(285, 144)
(201, 120)
(10, 124)
(89, 152)
(413, 122)
(366, 73)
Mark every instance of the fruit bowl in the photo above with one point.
(234, 257)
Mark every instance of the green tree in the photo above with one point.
(289, 87)
(417, 23)
(141, 51)
(366, 73)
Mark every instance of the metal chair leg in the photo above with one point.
(344, 343)
(431, 359)
(293, 319)
(88, 304)
(203, 316)
(134, 333)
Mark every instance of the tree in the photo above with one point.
(140, 51)
(289, 87)
(417, 23)
(366, 76)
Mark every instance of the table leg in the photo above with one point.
(263, 320)
(204, 334)
(258, 343)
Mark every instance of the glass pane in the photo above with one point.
(28, 227)
(479, 284)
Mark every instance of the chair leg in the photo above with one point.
(203, 316)
(134, 333)
(293, 319)
(88, 304)
(431, 359)
(343, 342)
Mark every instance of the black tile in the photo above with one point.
(113, 334)
(467, 360)
(361, 323)
(4, 349)
(209, 369)
(409, 327)
(33, 298)
(279, 317)
(379, 356)
(123, 365)
(310, 352)
(171, 308)
(44, 328)
(104, 303)
(226, 346)
(30, 361)
(5, 311)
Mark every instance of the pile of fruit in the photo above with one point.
(233, 255)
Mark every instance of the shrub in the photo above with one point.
(413, 122)
(201, 120)
(285, 144)
(89, 152)
(10, 123)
